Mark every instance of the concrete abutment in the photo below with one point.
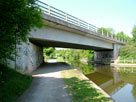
(106, 57)
(30, 57)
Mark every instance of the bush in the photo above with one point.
(128, 51)
(17, 18)
(12, 84)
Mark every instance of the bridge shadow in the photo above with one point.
(47, 84)
(51, 67)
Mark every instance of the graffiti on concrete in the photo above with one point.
(25, 51)
(104, 55)
(29, 57)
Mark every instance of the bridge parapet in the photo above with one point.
(54, 12)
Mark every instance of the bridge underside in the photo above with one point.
(49, 43)
(52, 37)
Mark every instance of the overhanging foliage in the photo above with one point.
(17, 18)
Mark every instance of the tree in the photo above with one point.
(105, 30)
(88, 54)
(17, 18)
(48, 51)
(128, 51)
(134, 33)
(124, 36)
(110, 31)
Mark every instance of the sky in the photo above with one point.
(117, 14)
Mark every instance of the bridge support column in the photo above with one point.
(30, 56)
(116, 49)
(103, 57)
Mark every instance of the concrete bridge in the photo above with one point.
(66, 31)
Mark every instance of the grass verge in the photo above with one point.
(12, 84)
(82, 90)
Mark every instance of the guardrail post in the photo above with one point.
(78, 22)
(96, 30)
(112, 36)
(102, 31)
(49, 10)
(107, 34)
(66, 17)
(88, 25)
(116, 37)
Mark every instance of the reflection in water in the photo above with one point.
(120, 83)
(124, 94)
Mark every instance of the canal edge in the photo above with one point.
(95, 86)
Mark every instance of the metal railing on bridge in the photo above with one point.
(52, 11)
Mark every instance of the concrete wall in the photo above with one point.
(103, 57)
(35, 57)
(107, 56)
(116, 51)
(30, 56)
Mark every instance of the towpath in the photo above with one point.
(47, 85)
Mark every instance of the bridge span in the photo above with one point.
(66, 31)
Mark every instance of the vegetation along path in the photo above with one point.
(47, 86)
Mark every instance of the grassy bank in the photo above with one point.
(82, 90)
(12, 84)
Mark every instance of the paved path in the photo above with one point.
(47, 86)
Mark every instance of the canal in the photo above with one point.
(118, 82)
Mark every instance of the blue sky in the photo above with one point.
(117, 14)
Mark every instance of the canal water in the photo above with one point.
(118, 82)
